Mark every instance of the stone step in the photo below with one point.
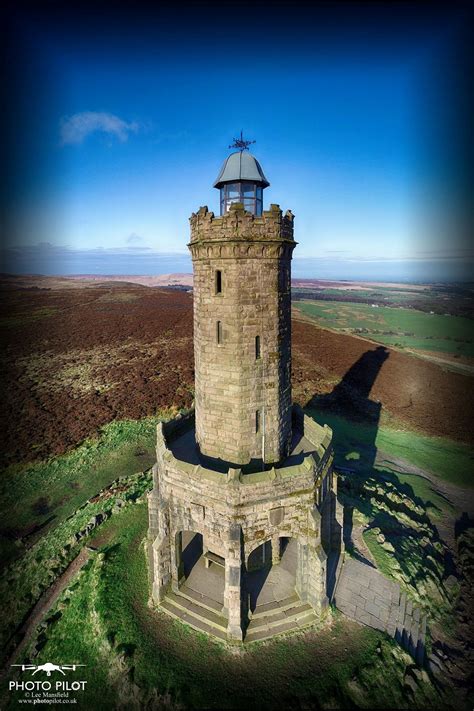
(207, 602)
(194, 609)
(290, 615)
(270, 608)
(295, 615)
(193, 621)
(262, 633)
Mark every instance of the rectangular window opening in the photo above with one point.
(257, 348)
(219, 331)
(257, 420)
(218, 281)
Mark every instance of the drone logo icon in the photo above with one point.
(48, 668)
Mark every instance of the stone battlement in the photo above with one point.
(313, 467)
(239, 225)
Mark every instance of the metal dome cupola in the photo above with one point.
(241, 179)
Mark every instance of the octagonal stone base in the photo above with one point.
(211, 521)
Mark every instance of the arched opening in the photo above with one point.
(271, 574)
(192, 551)
(260, 558)
(289, 557)
(201, 572)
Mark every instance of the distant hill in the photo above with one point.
(77, 281)
(158, 280)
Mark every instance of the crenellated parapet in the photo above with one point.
(314, 466)
(240, 234)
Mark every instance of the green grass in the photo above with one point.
(32, 494)
(407, 328)
(75, 641)
(107, 624)
(423, 490)
(379, 292)
(448, 460)
(24, 580)
(402, 506)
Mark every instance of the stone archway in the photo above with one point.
(271, 572)
(191, 551)
(196, 573)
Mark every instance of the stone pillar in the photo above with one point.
(233, 584)
(301, 570)
(311, 565)
(338, 520)
(161, 555)
(316, 580)
(276, 553)
(317, 560)
(177, 565)
(153, 510)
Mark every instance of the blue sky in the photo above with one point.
(123, 132)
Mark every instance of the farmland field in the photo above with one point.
(402, 327)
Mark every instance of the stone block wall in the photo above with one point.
(232, 381)
(364, 594)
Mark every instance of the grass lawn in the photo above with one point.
(49, 491)
(450, 461)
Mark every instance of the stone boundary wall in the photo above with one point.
(367, 596)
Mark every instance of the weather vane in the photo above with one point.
(241, 143)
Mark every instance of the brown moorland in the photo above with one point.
(78, 358)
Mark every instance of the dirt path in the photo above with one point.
(43, 606)
(360, 545)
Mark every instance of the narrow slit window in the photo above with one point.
(218, 281)
(219, 332)
(257, 348)
(257, 420)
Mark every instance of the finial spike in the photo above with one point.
(241, 143)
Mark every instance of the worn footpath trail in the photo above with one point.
(43, 606)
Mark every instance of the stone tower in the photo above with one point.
(247, 482)
(242, 333)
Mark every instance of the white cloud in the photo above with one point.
(75, 128)
(134, 239)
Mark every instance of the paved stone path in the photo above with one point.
(367, 596)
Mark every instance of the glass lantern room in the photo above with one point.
(249, 194)
(241, 180)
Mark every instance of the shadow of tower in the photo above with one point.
(355, 444)
(350, 396)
